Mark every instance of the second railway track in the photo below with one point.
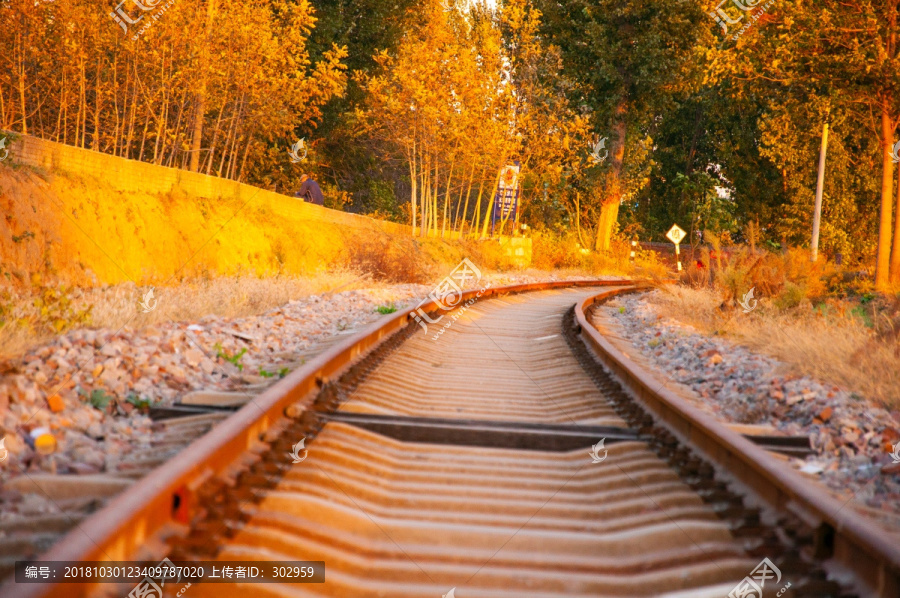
(464, 463)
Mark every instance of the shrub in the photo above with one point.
(791, 296)
(789, 277)
(387, 258)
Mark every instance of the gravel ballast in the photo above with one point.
(852, 438)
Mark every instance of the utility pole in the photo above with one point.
(820, 184)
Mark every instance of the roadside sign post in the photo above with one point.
(676, 234)
(506, 203)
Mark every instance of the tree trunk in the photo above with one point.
(60, 123)
(162, 119)
(609, 212)
(176, 133)
(488, 215)
(199, 113)
(23, 105)
(3, 119)
(98, 106)
(210, 157)
(240, 176)
(435, 212)
(882, 260)
(411, 158)
(447, 199)
(426, 164)
(200, 106)
(476, 217)
(456, 223)
(228, 137)
(80, 103)
(895, 254)
(140, 155)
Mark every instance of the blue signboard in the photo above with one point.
(506, 202)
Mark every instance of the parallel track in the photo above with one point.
(463, 462)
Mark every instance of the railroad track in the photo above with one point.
(462, 466)
(74, 498)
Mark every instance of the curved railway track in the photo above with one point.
(465, 463)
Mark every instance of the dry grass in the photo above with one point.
(565, 252)
(832, 343)
(118, 306)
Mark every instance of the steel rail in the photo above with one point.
(843, 538)
(159, 505)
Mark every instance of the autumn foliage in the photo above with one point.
(219, 83)
(465, 93)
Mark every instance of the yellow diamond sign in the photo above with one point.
(675, 234)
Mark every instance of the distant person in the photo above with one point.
(310, 191)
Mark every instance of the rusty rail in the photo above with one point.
(849, 541)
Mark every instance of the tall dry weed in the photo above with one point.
(388, 258)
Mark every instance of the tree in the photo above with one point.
(629, 59)
(464, 93)
(141, 88)
(843, 58)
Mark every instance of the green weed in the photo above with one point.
(140, 402)
(233, 359)
(863, 314)
(386, 309)
(23, 237)
(99, 399)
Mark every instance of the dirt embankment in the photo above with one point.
(77, 229)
